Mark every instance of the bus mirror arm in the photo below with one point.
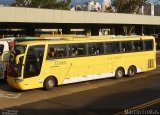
(19, 59)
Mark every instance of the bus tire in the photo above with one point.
(132, 70)
(49, 83)
(119, 73)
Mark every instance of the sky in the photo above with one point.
(82, 1)
(73, 1)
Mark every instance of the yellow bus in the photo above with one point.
(50, 63)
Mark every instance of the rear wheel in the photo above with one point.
(132, 71)
(49, 83)
(119, 73)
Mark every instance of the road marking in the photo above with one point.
(142, 106)
(9, 95)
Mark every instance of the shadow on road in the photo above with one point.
(100, 101)
(5, 87)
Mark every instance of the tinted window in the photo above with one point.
(100, 48)
(116, 47)
(81, 49)
(95, 48)
(112, 47)
(73, 50)
(148, 44)
(108, 48)
(137, 45)
(77, 50)
(56, 51)
(126, 46)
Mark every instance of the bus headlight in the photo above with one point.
(18, 80)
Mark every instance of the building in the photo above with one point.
(106, 4)
(150, 9)
(157, 10)
(91, 6)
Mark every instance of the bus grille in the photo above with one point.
(151, 63)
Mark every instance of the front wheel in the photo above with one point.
(119, 73)
(49, 83)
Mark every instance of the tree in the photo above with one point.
(63, 4)
(21, 3)
(78, 7)
(50, 4)
(128, 6)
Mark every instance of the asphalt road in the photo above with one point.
(107, 96)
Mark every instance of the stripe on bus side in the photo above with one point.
(92, 77)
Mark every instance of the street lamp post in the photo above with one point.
(152, 9)
(142, 10)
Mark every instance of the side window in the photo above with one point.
(56, 51)
(115, 47)
(148, 44)
(108, 48)
(126, 46)
(73, 50)
(81, 49)
(77, 50)
(112, 47)
(100, 48)
(95, 48)
(92, 49)
(137, 45)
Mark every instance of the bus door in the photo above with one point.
(33, 64)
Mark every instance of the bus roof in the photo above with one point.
(85, 39)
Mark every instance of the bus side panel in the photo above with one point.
(110, 72)
(82, 73)
(69, 74)
(50, 69)
(100, 71)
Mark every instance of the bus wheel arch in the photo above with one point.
(132, 70)
(50, 82)
(119, 73)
